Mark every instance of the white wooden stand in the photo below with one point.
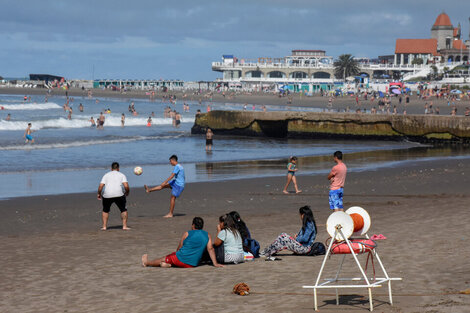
(369, 283)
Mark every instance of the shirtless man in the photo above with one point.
(123, 120)
(27, 134)
(8, 117)
(209, 136)
(80, 107)
(101, 120)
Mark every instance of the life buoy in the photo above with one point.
(358, 245)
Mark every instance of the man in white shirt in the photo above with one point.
(113, 183)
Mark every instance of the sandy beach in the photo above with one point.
(55, 259)
(416, 106)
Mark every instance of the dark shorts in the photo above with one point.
(120, 202)
(173, 260)
(209, 142)
(101, 123)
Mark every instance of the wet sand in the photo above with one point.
(416, 106)
(55, 259)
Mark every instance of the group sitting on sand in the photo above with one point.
(232, 243)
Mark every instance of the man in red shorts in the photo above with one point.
(190, 249)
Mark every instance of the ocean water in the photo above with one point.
(70, 156)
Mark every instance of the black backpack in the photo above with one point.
(317, 249)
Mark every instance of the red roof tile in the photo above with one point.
(415, 46)
(443, 20)
(456, 32)
(458, 44)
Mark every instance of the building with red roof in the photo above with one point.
(444, 45)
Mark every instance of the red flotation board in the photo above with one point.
(358, 245)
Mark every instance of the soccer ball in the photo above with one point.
(138, 170)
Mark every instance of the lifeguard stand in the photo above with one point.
(341, 226)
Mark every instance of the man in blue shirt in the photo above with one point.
(175, 182)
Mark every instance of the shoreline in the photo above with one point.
(58, 242)
(218, 171)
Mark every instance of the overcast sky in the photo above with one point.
(179, 39)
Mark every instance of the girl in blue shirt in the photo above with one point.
(300, 243)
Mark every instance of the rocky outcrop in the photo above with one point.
(421, 128)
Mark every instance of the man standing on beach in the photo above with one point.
(27, 134)
(113, 183)
(337, 178)
(175, 182)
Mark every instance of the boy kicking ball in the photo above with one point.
(175, 182)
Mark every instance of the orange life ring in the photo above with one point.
(358, 245)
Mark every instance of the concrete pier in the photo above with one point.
(420, 128)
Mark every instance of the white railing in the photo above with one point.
(239, 66)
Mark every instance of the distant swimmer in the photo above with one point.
(177, 119)
(8, 117)
(92, 121)
(70, 114)
(80, 107)
(123, 120)
(25, 98)
(27, 134)
(209, 136)
(101, 120)
(149, 121)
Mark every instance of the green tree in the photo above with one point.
(346, 66)
(417, 61)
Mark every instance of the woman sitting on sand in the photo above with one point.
(249, 244)
(230, 238)
(300, 243)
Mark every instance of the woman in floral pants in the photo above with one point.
(300, 243)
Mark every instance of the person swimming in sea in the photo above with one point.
(27, 134)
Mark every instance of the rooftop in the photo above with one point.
(442, 20)
(416, 46)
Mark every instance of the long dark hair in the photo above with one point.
(240, 224)
(229, 224)
(308, 217)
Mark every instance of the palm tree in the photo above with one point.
(346, 66)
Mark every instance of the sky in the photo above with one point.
(153, 39)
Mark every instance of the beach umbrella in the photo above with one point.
(456, 92)
(381, 94)
(396, 91)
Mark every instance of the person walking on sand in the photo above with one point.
(175, 182)
(291, 169)
(27, 134)
(337, 178)
(113, 183)
(209, 135)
